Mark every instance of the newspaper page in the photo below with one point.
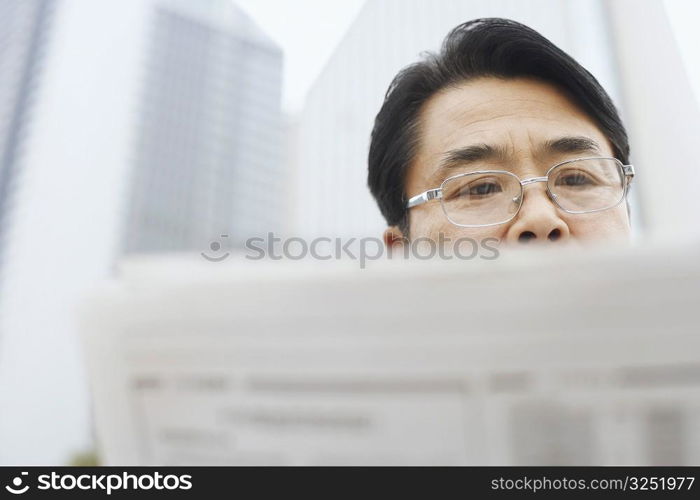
(541, 359)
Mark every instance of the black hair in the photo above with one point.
(483, 47)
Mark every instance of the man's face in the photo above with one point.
(522, 119)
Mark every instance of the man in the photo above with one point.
(499, 135)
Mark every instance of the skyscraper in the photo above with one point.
(207, 157)
(137, 126)
(22, 43)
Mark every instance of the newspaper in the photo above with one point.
(540, 358)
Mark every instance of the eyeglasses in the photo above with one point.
(491, 197)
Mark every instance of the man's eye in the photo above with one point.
(574, 179)
(483, 189)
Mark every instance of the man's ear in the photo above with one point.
(394, 238)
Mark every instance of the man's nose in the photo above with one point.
(538, 220)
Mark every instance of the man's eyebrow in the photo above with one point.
(572, 144)
(471, 154)
(476, 153)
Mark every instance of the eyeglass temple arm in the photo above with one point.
(424, 197)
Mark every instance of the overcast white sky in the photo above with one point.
(308, 31)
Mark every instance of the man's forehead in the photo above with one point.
(510, 115)
(485, 107)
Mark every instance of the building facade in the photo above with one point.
(155, 127)
(22, 47)
(207, 158)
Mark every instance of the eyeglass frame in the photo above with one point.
(436, 193)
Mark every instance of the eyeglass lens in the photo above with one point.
(580, 186)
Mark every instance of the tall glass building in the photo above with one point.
(130, 126)
(22, 44)
(207, 156)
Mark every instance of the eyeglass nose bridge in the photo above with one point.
(532, 180)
